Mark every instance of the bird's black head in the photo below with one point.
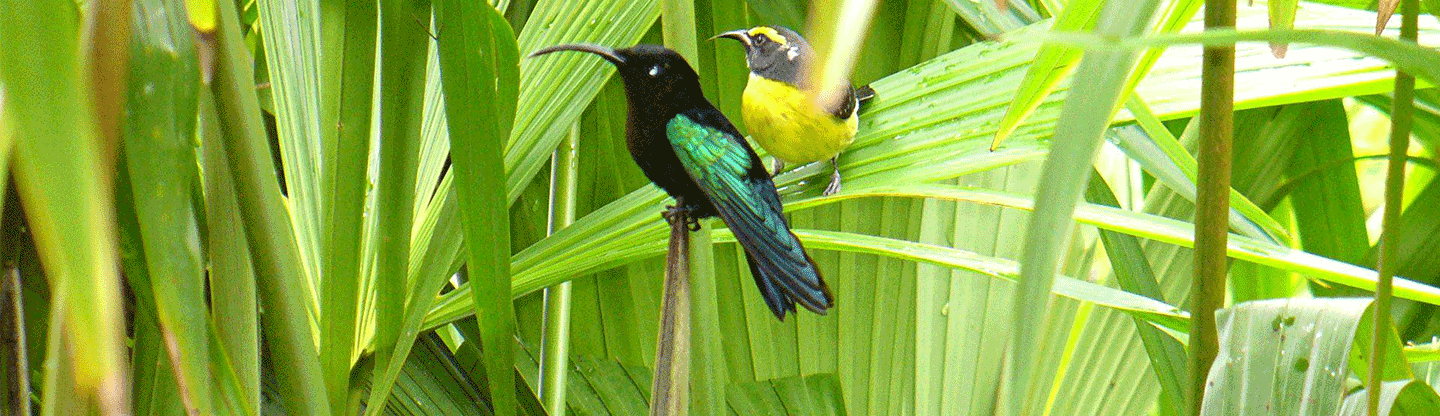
(651, 73)
(773, 52)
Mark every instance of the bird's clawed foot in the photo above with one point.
(673, 213)
(834, 185)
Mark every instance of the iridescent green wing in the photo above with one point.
(730, 174)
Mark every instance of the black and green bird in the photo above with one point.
(689, 149)
(777, 111)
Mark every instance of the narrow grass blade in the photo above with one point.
(286, 324)
(1052, 64)
(1420, 61)
(1161, 154)
(1132, 271)
(478, 58)
(234, 308)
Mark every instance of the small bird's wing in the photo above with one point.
(729, 172)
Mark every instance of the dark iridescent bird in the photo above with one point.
(689, 149)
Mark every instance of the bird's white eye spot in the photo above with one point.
(655, 70)
(791, 53)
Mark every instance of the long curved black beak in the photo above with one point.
(604, 52)
(740, 35)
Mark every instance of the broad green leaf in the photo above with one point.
(1292, 356)
(1162, 155)
(1329, 217)
(990, 21)
(1054, 63)
(555, 89)
(430, 383)
(156, 387)
(817, 394)
(161, 166)
(1397, 398)
(293, 68)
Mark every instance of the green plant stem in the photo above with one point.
(276, 257)
(1402, 115)
(555, 354)
(670, 387)
(1212, 202)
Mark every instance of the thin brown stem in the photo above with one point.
(1212, 209)
(670, 387)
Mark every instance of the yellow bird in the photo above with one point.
(777, 111)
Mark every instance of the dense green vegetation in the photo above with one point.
(277, 207)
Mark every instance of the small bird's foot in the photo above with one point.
(673, 213)
(778, 166)
(834, 185)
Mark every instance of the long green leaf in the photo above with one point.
(478, 58)
(1086, 115)
(402, 82)
(63, 162)
(268, 230)
(344, 182)
(1134, 274)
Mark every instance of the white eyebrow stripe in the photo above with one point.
(791, 53)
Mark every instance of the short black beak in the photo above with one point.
(604, 52)
(740, 35)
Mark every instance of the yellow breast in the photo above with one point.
(790, 126)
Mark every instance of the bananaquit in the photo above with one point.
(776, 110)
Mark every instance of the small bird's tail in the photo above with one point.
(864, 93)
(784, 284)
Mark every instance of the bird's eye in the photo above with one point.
(759, 40)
